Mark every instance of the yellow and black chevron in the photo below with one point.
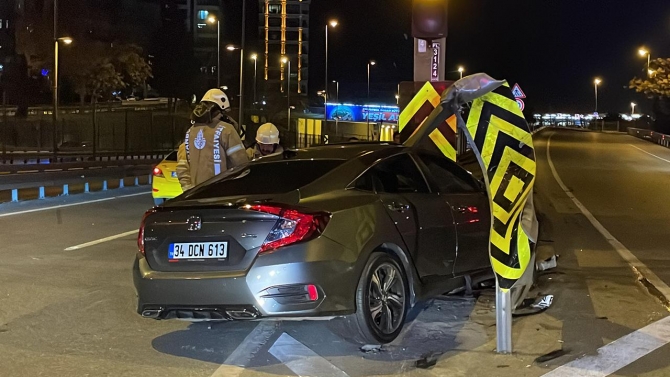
(419, 108)
(499, 133)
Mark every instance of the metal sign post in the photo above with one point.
(503, 320)
(507, 158)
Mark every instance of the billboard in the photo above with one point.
(361, 113)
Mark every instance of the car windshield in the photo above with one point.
(266, 178)
(172, 156)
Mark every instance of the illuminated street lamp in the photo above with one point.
(597, 82)
(337, 91)
(333, 24)
(370, 63)
(212, 20)
(241, 104)
(644, 52)
(287, 61)
(632, 106)
(461, 70)
(254, 57)
(66, 41)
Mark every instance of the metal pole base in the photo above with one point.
(503, 321)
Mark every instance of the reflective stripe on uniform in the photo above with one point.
(217, 150)
(188, 154)
(234, 149)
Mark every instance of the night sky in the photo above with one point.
(552, 48)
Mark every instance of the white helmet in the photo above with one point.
(267, 134)
(218, 97)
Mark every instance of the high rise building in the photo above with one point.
(7, 27)
(195, 14)
(284, 32)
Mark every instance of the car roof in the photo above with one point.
(342, 151)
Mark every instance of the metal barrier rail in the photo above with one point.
(654, 137)
(65, 191)
(40, 158)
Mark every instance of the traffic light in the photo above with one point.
(429, 19)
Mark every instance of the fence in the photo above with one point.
(595, 124)
(103, 129)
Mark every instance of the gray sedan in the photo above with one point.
(361, 232)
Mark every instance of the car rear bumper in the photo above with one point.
(274, 286)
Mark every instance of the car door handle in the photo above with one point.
(398, 207)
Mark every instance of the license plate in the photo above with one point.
(197, 251)
(174, 174)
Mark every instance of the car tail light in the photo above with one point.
(140, 235)
(158, 172)
(293, 226)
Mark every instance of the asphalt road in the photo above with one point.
(72, 312)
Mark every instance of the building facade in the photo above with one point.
(7, 28)
(195, 15)
(284, 32)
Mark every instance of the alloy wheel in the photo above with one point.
(386, 294)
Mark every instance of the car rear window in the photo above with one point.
(266, 178)
(172, 156)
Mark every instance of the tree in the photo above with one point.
(657, 87)
(97, 69)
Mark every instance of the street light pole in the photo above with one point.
(332, 23)
(337, 91)
(596, 83)
(55, 83)
(241, 116)
(632, 105)
(461, 70)
(371, 62)
(218, 54)
(255, 57)
(211, 20)
(288, 94)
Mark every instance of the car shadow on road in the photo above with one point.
(437, 328)
(210, 342)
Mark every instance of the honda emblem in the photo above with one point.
(194, 223)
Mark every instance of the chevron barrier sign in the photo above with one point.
(500, 137)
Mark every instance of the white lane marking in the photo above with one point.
(75, 169)
(302, 360)
(102, 240)
(651, 154)
(638, 267)
(27, 171)
(52, 170)
(70, 205)
(131, 195)
(246, 350)
(618, 354)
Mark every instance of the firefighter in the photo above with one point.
(212, 145)
(267, 142)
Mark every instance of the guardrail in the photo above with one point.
(652, 136)
(39, 158)
(64, 188)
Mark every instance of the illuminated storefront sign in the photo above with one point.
(361, 113)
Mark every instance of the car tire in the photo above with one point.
(381, 308)
(158, 201)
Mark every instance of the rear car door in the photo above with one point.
(469, 205)
(420, 216)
